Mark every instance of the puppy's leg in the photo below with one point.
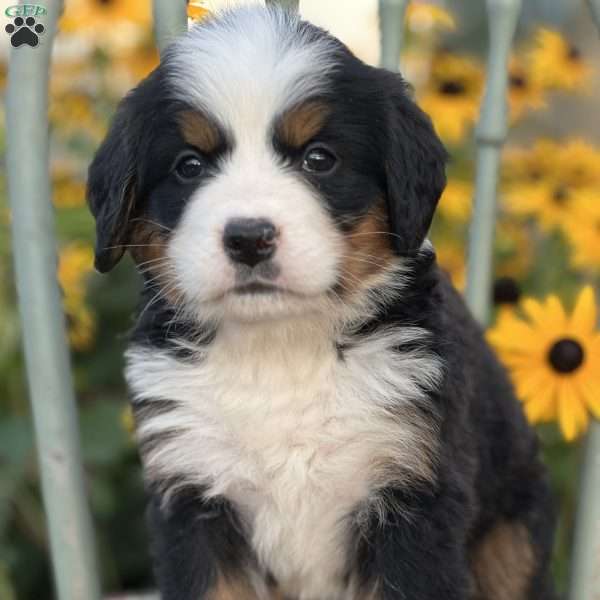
(200, 550)
(511, 558)
(418, 551)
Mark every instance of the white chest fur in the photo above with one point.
(295, 436)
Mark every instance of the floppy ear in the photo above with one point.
(415, 168)
(111, 189)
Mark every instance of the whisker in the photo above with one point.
(161, 294)
(144, 220)
(363, 233)
(152, 260)
(149, 282)
(367, 259)
(149, 267)
(135, 246)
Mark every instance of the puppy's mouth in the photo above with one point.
(257, 287)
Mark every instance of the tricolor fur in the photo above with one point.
(319, 418)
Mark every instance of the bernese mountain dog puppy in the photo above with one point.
(319, 417)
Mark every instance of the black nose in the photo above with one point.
(249, 241)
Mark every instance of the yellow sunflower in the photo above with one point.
(524, 91)
(423, 17)
(86, 15)
(549, 201)
(582, 229)
(452, 95)
(456, 200)
(545, 181)
(128, 67)
(113, 25)
(578, 163)
(557, 64)
(73, 113)
(76, 262)
(554, 360)
(451, 257)
(197, 10)
(81, 325)
(68, 187)
(74, 266)
(531, 164)
(513, 251)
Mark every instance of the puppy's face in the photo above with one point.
(263, 171)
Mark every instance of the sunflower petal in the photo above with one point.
(555, 313)
(541, 407)
(583, 320)
(591, 394)
(534, 310)
(512, 333)
(572, 416)
(529, 381)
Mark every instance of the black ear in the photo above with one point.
(415, 168)
(111, 188)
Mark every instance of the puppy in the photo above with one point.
(319, 417)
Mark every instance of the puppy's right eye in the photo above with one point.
(189, 167)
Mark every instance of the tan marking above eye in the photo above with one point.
(198, 131)
(300, 124)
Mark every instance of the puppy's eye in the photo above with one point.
(188, 167)
(319, 159)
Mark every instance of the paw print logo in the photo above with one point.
(24, 31)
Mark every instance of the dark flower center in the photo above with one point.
(566, 356)
(560, 195)
(518, 81)
(574, 54)
(452, 88)
(506, 291)
(535, 174)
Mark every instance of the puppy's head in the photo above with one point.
(262, 171)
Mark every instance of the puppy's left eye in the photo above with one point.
(189, 167)
(319, 159)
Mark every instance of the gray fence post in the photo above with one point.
(585, 566)
(42, 318)
(289, 4)
(595, 8)
(391, 27)
(170, 20)
(490, 134)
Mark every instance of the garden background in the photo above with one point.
(547, 252)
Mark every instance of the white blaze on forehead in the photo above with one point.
(247, 65)
(244, 68)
